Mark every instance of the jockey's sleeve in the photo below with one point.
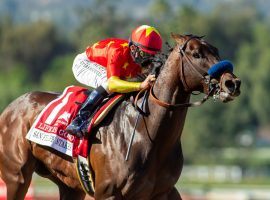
(115, 84)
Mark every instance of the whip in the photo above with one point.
(155, 71)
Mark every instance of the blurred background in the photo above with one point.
(226, 146)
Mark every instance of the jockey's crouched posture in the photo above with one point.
(109, 65)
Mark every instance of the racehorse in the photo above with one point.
(156, 160)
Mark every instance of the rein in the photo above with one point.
(181, 105)
(165, 104)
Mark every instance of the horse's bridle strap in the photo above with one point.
(165, 104)
(174, 106)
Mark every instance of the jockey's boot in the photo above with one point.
(78, 124)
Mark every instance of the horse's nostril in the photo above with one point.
(230, 85)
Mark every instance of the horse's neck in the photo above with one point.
(167, 125)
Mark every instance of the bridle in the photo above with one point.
(212, 86)
(146, 91)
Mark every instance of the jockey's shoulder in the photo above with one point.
(113, 42)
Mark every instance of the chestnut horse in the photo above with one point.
(156, 160)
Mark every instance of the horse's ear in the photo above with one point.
(177, 37)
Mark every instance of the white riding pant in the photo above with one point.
(89, 73)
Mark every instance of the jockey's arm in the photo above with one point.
(115, 84)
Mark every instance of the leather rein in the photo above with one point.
(195, 67)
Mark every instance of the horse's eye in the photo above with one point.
(196, 55)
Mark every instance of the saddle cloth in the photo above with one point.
(49, 127)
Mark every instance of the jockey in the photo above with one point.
(110, 65)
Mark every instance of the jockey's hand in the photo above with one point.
(147, 82)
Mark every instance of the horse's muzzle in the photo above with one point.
(232, 87)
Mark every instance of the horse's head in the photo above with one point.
(201, 68)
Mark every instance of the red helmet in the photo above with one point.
(147, 38)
